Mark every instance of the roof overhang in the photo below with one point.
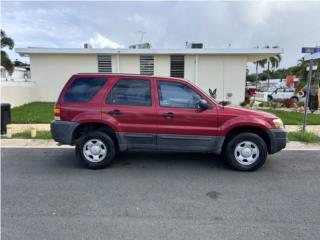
(253, 54)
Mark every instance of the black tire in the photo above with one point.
(270, 98)
(295, 98)
(231, 144)
(92, 136)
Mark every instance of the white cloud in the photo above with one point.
(100, 41)
(138, 20)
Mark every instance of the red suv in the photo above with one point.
(102, 114)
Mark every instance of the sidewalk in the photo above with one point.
(40, 143)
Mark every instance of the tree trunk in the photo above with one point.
(268, 74)
(257, 65)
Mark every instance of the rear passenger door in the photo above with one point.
(129, 106)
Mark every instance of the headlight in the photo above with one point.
(278, 123)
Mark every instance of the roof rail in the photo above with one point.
(117, 74)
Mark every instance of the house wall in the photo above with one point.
(18, 93)
(190, 68)
(162, 65)
(129, 64)
(227, 73)
(51, 72)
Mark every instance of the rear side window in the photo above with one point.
(83, 89)
(130, 92)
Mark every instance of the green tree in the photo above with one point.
(261, 63)
(5, 60)
(272, 63)
(302, 73)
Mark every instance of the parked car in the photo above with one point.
(102, 114)
(282, 94)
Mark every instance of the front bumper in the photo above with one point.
(62, 131)
(278, 139)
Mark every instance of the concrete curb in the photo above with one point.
(39, 143)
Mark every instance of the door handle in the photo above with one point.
(115, 112)
(168, 115)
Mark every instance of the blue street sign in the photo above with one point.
(310, 49)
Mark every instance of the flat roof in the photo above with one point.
(253, 54)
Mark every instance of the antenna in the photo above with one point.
(142, 35)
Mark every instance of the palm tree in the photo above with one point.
(273, 63)
(261, 63)
(5, 60)
(302, 73)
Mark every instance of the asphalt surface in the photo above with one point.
(47, 194)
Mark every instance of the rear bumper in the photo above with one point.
(62, 131)
(278, 139)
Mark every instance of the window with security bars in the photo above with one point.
(104, 64)
(146, 65)
(177, 66)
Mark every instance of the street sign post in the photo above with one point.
(314, 54)
(307, 96)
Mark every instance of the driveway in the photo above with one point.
(47, 194)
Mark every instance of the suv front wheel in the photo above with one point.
(96, 149)
(245, 152)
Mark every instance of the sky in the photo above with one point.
(287, 24)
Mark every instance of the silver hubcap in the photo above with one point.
(94, 150)
(246, 152)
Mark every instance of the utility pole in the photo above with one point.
(307, 96)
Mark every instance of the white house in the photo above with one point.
(224, 69)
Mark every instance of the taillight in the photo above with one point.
(57, 111)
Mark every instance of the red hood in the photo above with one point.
(248, 112)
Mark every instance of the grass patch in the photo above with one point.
(35, 112)
(307, 137)
(294, 118)
(27, 135)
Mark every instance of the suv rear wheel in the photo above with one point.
(96, 149)
(245, 152)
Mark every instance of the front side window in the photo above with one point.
(83, 89)
(130, 92)
(177, 95)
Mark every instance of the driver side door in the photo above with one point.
(181, 125)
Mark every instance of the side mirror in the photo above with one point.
(203, 104)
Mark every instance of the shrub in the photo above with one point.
(289, 103)
(308, 137)
(243, 104)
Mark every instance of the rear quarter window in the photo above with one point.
(83, 89)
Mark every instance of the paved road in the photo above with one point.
(47, 194)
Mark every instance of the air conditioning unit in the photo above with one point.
(194, 45)
(87, 45)
(140, 45)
